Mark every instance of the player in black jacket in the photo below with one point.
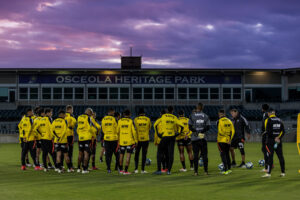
(274, 131)
(264, 108)
(241, 125)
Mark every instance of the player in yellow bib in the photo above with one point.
(143, 126)
(127, 139)
(225, 134)
(70, 131)
(84, 126)
(95, 132)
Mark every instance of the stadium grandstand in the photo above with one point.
(152, 89)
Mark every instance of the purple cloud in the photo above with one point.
(173, 34)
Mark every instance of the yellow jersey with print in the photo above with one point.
(157, 130)
(170, 125)
(95, 129)
(71, 124)
(84, 126)
(143, 126)
(186, 130)
(21, 135)
(35, 124)
(27, 129)
(44, 128)
(126, 132)
(109, 128)
(59, 130)
(225, 130)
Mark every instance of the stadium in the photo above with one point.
(208, 110)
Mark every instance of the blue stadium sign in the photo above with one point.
(130, 79)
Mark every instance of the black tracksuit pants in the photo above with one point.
(111, 147)
(144, 146)
(166, 146)
(270, 153)
(31, 147)
(200, 149)
(224, 152)
(48, 148)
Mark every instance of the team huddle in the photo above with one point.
(121, 136)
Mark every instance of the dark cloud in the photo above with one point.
(174, 34)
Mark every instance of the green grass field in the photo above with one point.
(241, 184)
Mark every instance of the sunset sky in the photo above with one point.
(168, 33)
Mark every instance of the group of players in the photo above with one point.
(121, 136)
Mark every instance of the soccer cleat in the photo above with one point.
(126, 173)
(164, 170)
(266, 175)
(242, 165)
(56, 169)
(78, 170)
(45, 170)
(37, 168)
(233, 164)
(85, 171)
(28, 165)
(183, 170)
(157, 173)
(229, 171)
(109, 171)
(282, 175)
(70, 170)
(60, 171)
(23, 167)
(144, 172)
(121, 172)
(264, 170)
(168, 173)
(95, 168)
(225, 172)
(192, 168)
(136, 171)
(196, 174)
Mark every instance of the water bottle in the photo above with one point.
(275, 145)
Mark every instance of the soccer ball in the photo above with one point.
(249, 165)
(148, 161)
(200, 162)
(261, 163)
(221, 167)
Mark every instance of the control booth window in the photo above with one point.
(148, 93)
(193, 93)
(23, 93)
(57, 93)
(214, 93)
(159, 93)
(124, 93)
(68, 93)
(3, 94)
(236, 93)
(203, 93)
(92, 93)
(46, 93)
(226, 93)
(34, 93)
(113, 93)
(182, 93)
(169, 92)
(137, 93)
(79, 94)
(102, 93)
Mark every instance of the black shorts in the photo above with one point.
(61, 147)
(184, 142)
(38, 144)
(128, 149)
(237, 143)
(85, 145)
